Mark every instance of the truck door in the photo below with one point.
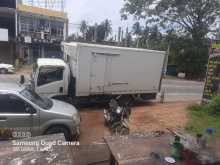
(50, 81)
(97, 76)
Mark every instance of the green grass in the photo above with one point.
(201, 119)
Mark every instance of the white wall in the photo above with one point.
(3, 34)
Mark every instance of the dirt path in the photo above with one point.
(148, 118)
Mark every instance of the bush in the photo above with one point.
(202, 117)
(214, 106)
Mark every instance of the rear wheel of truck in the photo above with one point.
(125, 99)
(144, 97)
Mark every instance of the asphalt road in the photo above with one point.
(182, 90)
(175, 89)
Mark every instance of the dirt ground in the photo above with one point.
(144, 119)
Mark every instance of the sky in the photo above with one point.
(95, 11)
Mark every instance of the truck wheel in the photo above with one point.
(143, 98)
(3, 71)
(59, 129)
(125, 99)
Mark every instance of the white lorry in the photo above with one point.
(100, 72)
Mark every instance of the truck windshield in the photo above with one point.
(44, 103)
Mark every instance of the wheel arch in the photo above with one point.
(56, 125)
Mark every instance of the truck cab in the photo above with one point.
(51, 77)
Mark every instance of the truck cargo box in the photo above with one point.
(101, 69)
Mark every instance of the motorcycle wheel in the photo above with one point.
(106, 123)
(124, 131)
(120, 130)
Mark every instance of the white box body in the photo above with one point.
(100, 69)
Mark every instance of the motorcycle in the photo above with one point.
(116, 118)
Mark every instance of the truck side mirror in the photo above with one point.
(22, 79)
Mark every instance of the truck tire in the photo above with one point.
(144, 97)
(124, 99)
(60, 129)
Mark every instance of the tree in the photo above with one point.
(196, 17)
(90, 33)
(108, 28)
(83, 28)
(137, 29)
(102, 31)
(193, 18)
(151, 38)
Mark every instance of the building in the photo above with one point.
(35, 29)
(7, 31)
(41, 27)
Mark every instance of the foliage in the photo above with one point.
(183, 53)
(214, 106)
(90, 33)
(107, 27)
(196, 17)
(205, 116)
(149, 37)
(188, 57)
(101, 31)
(192, 21)
(200, 120)
(137, 29)
(83, 28)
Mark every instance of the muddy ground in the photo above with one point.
(144, 119)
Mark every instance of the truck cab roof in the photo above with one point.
(50, 62)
